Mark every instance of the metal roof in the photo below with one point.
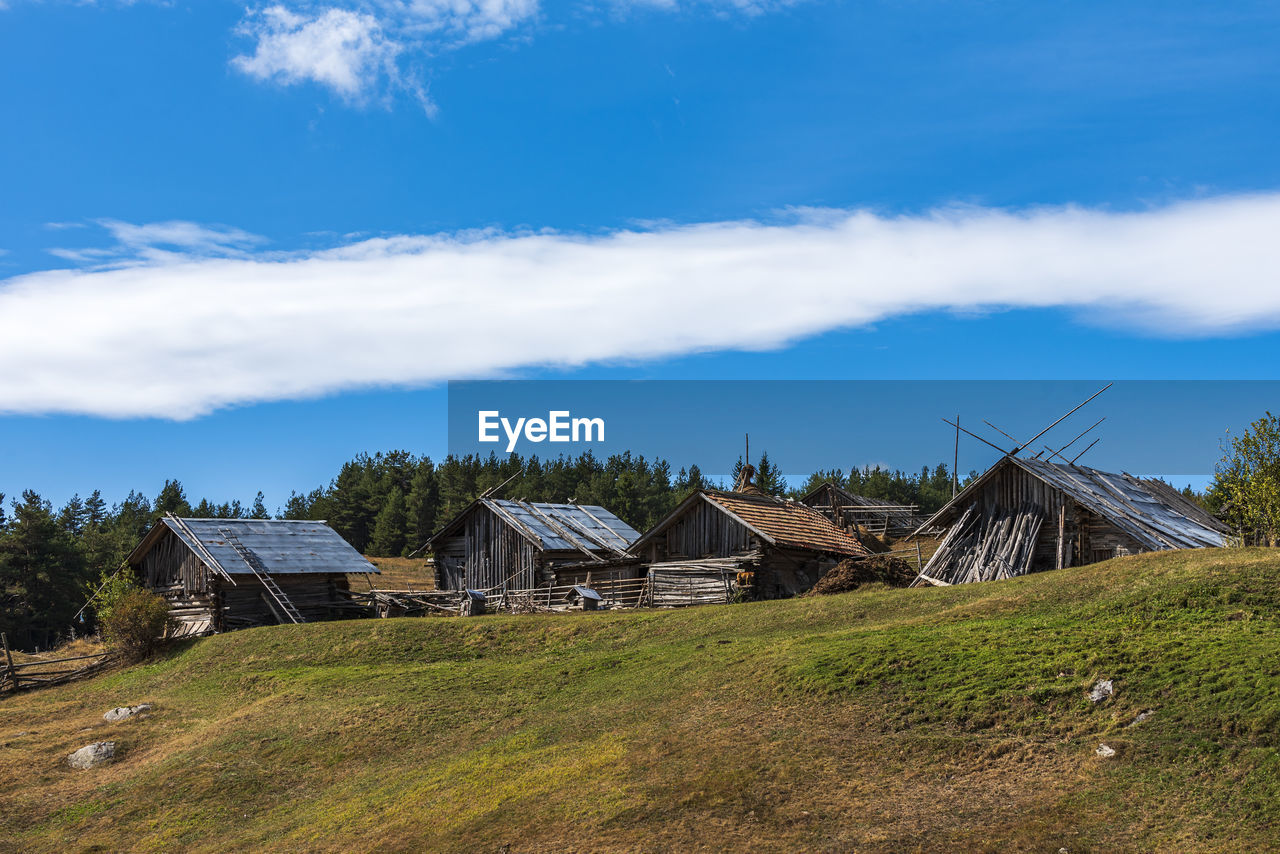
(558, 527)
(285, 546)
(1149, 510)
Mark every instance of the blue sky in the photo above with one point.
(242, 243)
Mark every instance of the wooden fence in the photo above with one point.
(44, 671)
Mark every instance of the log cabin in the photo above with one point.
(716, 546)
(1028, 515)
(223, 574)
(498, 545)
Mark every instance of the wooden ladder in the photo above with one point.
(250, 557)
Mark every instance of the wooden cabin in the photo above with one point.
(223, 574)
(851, 511)
(499, 545)
(717, 546)
(1028, 515)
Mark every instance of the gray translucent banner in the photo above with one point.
(1150, 427)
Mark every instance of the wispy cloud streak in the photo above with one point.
(181, 333)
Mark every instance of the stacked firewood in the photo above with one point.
(986, 547)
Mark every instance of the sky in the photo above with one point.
(241, 243)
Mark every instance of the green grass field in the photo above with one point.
(882, 720)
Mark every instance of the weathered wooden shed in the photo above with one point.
(222, 574)
(716, 543)
(849, 510)
(1027, 515)
(499, 544)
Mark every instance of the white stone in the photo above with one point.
(1142, 716)
(92, 755)
(1105, 751)
(1102, 689)
(122, 712)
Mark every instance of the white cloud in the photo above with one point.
(344, 50)
(178, 336)
(465, 20)
(355, 49)
(159, 241)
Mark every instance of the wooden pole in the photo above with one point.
(8, 658)
(1015, 451)
(955, 462)
(1062, 531)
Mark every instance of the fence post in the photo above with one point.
(10, 670)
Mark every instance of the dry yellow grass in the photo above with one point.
(397, 573)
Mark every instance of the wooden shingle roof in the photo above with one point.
(788, 524)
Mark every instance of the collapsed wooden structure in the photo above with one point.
(857, 511)
(498, 545)
(1027, 515)
(222, 574)
(717, 546)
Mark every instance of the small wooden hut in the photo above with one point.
(1027, 515)
(857, 511)
(717, 545)
(222, 574)
(499, 544)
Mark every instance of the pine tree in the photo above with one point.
(352, 515)
(172, 499)
(259, 509)
(95, 510)
(389, 528)
(696, 480)
(72, 516)
(298, 506)
(422, 504)
(41, 575)
(769, 477)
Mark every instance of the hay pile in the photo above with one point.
(852, 574)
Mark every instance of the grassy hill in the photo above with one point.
(886, 720)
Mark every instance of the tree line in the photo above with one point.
(384, 504)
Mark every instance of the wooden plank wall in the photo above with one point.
(317, 596)
(171, 562)
(1087, 538)
(487, 553)
(703, 531)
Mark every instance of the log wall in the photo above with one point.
(170, 562)
(487, 553)
(1086, 537)
(703, 531)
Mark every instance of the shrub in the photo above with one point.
(1247, 485)
(136, 624)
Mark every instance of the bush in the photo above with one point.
(136, 624)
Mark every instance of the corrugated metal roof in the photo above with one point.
(284, 546)
(1145, 510)
(559, 527)
(1150, 511)
(788, 523)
